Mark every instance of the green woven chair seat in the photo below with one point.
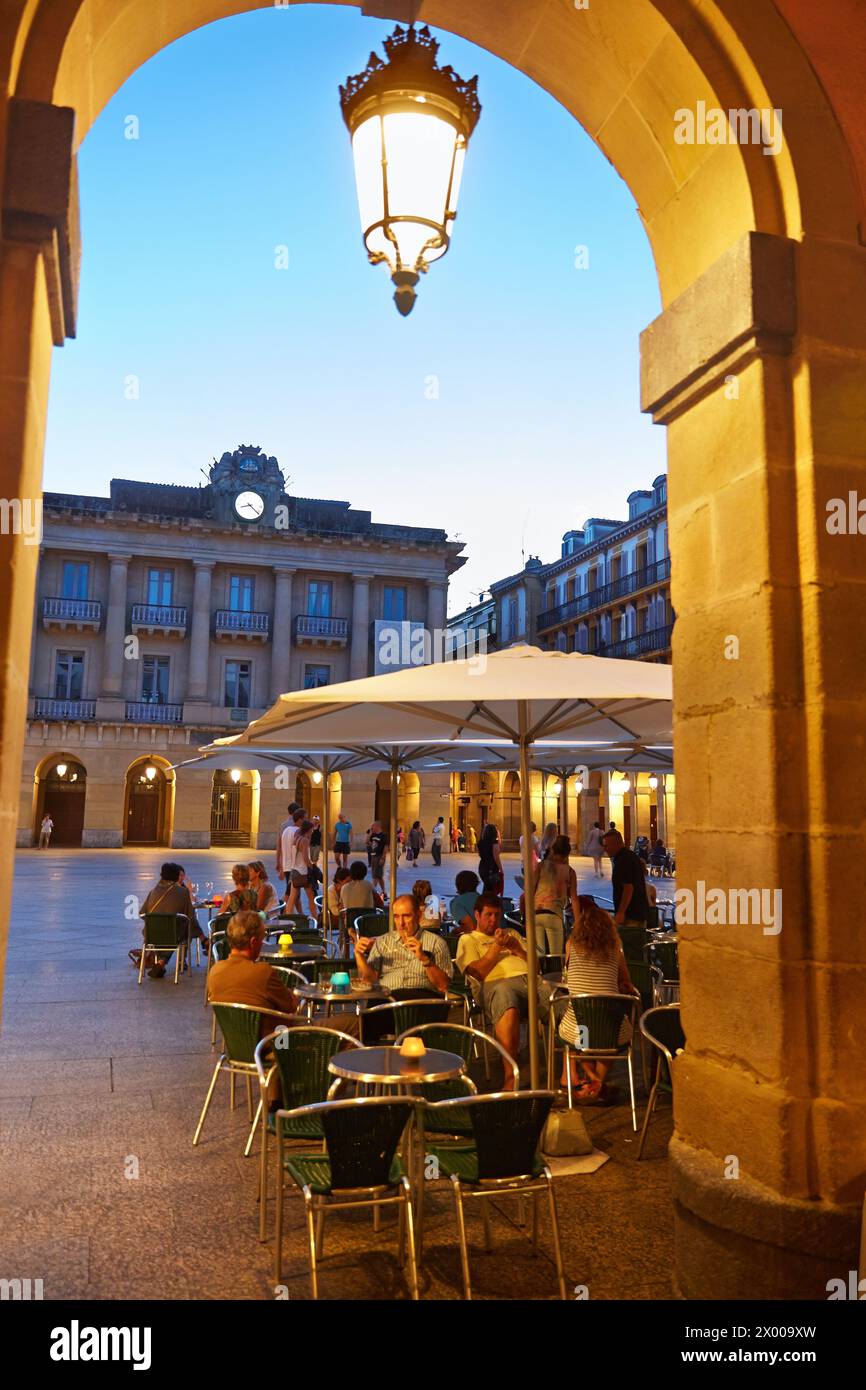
(314, 1171)
(302, 1127)
(459, 1122)
(462, 1161)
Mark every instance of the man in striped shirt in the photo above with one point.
(407, 962)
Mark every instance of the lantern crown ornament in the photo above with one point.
(410, 123)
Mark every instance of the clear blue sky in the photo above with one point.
(242, 148)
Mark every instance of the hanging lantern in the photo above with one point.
(410, 122)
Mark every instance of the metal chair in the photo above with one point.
(241, 1027)
(646, 980)
(665, 955)
(406, 1013)
(633, 941)
(216, 928)
(599, 1019)
(359, 1168)
(662, 1027)
(504, 1159)
(163, 937)
(301, 1055)
(371, 923)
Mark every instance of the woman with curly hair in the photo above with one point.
(596, 965)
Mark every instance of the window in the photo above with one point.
(314, 676)
(237, 693)
(319, 593)
(512, 617)
(154, 680)
(76, 579)
(241, 591)
(394, 604)
(160, 588)
(68, 675)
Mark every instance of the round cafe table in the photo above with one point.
(295, 952)
(358, 995)
(385, 1066)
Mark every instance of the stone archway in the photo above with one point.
(758, 368)
(60, 791)
(148, 805)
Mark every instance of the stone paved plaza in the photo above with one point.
(100, 1079)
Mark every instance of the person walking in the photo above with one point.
(45, 830)
(378, 855)
(473, 840)
(631, 907)
(490, 869)
(342, 841)
(417, 841)
(555, 885)
(438, 836)
(595, 847)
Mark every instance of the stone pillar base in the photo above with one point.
(736, 1239)
(191, 839)
(101, 839)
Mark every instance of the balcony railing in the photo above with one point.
(311, 628)
(657, 640)
(160, 616)
(65, 709)
(608, 593)
(79, 611)
(149, 712)
(231, 623)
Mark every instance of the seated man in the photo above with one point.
(243, 979)
(173, 896)
(407, 962)
(494, 961)
(463, 906)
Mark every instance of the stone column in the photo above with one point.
(199, 642)
(437, 605)
(115, 627)
(759, 371)
(661, 810)
(359, 654)
(281, 646)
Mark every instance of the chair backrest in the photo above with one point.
(451, 941)
(161, 929)
(455, 1037)
(664, 954)
(362, 1137)
(643, 977)
(372, 923)
(633, 940)
(289, 977)
(664, 1029)
(241, 1028)
(302, 1055)
(408, 1013)
(299, 920)
(507, 1129)
(219, 946)
(601, 1015)
(220, 922)
(324, 969)
(652, 916)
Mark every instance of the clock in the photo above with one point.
(249, 506)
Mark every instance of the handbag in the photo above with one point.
(565, 1134)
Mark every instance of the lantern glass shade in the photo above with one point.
(61, 769)
(317, 777)
(407, 174)
(653, 781)
(235, 774)
(150, 773)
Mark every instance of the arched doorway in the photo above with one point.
(61, 793)
(148, 803)
(765, 258)
(408, 799)
(509, 813)
(232, 809)
(309, 793)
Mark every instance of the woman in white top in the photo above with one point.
(595, 848)
(266, 897)
(596, 965)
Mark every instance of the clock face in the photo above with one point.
(249, 506)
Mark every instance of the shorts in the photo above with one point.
(314, 853)
(342, 847)
(299, 880)
(512, 993)
(377, 867)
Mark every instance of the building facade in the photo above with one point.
(167, 616)
(607, 594)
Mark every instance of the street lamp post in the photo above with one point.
(410, 122)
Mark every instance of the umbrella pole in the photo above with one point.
(563, 827)
(392, 891)
(529, 896)
(326, 818)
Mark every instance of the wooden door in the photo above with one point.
(142, 820)
(64, 803)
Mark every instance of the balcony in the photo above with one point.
(82, 614)
(65, 710)
(643, 644)
(153, 618)
(645, 578)
(149, 712)
(313, 631)
(250, 627)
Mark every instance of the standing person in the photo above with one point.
(534, 845)
(436, 845)
(417, 840)
(301, 878)
(555, 885)
(401, 838)
(378, 855)
(594, 848)
(293, 807)
(315, 840)
(596, 965)
(490, 869)
(342, 841)
(287, 849)
(473, 840)
(45, 830)
(455, 839)
(551, 831)
(630, 905)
